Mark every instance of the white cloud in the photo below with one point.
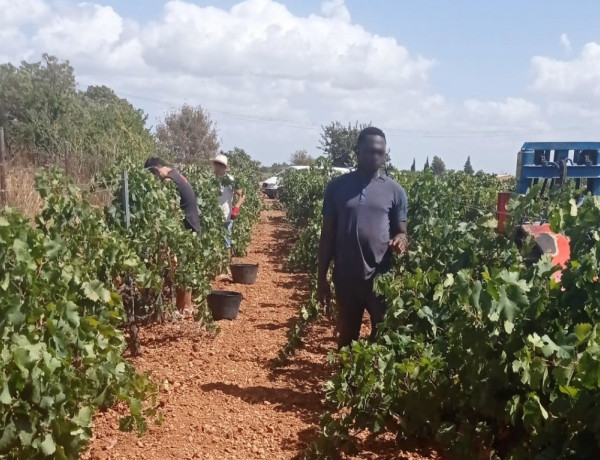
(335, 9)
(16, 13)
(261, 38)
(510, 112)
(88, 30)
(570, 87)
(565, 42)
(568, 77)
(256, 59)
(257, 67)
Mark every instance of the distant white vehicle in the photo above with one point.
(271, 185)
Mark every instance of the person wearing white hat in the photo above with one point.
(229, 193)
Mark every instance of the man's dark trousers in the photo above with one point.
(353, 296)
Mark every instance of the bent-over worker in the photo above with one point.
(191, 221)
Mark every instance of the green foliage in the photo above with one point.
(302, 197)
(301, 158)
(308, 313)
(188, 135)
(60, 349)
(45, 114)
(468, 168)
(172, 253)
(69, 285)
(481, 349)
(301, 191)
(37, 101)
(304, 255)
(338, 142)
(438, 166)
(413, 167)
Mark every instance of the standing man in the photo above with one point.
(364, 220)
(229, 194)
(189, 206)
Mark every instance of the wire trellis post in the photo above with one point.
(3, 194)
(126, 200)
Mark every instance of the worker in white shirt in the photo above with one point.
(231, 198)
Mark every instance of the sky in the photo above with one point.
(449, 78)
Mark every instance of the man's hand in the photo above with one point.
(324, 293)
(399, 243)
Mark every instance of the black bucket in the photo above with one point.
(224, 304)
(244, 273)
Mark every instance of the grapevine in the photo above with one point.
(481, 349)
(302, 198)
(61, 349)
(70, 286)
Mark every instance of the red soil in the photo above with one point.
(220, 396)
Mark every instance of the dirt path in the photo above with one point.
(220, 396)
(223, 399)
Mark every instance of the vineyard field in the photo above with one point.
(481, 352)
(75, 289)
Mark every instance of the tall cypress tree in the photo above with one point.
(468, 168)
(413, 168)
(426, 165)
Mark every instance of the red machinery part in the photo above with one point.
(501, 212)
(555, 245)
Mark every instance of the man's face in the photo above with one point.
(220, 168)
(371, 153)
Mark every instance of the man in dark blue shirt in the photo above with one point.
(364, 220)
(189, 205)
(187, 198)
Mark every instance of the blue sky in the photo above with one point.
(462, 77)
(482, 47)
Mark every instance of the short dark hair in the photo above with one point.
(369, 131)
(154, 162)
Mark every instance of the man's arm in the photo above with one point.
(239, 197)
(326, 246)
(399, 240)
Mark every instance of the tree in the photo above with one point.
(301, 158)
(36, 100)
(47, 119)
(413, 168)
(188, 134)
(426, 167)
(115, 127)
(239, 159)
(438, 166)
(338, 142)
(468, 168)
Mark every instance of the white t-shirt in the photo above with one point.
(226, 199)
